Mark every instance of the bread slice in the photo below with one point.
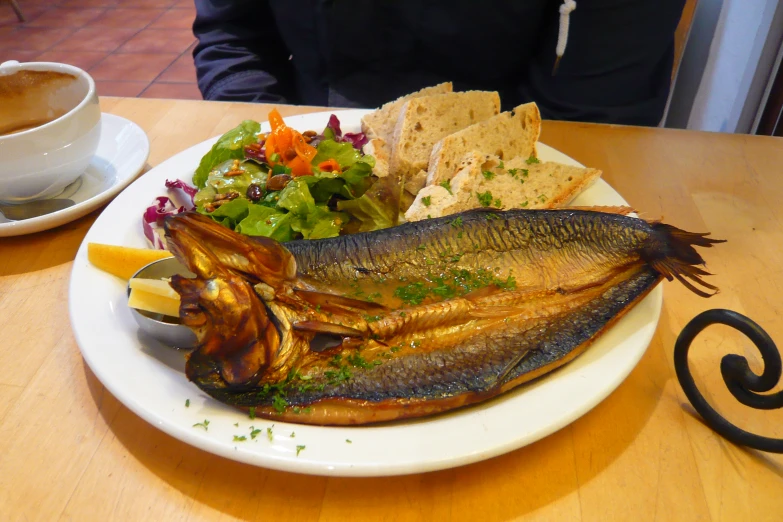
(508, 135)
(425, 120)
(377, 149)
(380, 123)
(487, 181)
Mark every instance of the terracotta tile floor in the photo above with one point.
(130, 47)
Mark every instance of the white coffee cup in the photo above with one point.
(50, 125)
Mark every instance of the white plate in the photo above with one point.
(149, 378)
(122, 152)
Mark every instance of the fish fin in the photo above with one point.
(206, 248)
(510, 366)
(623, 210)
(326, 328)
(338, 302)
(670, 251)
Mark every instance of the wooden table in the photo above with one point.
(69, 450)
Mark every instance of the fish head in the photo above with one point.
(236, 338)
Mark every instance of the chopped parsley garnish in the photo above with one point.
(453, 283)
(394, 349)
(457, 222)
(524, 204)
(236, 424)
(252, 412)
(336, 377)
(348, 441)
(415, 344)
(488, 174)
(254, 432)
(239, 438)
(372, 318)
(447, 185)
(299, 449)
(497, 203)
(342, 373)
(204, 425)
(421, 247)
(485, 198)
(293, 434)
(509, 284)
(269, 434)
(413, 293)
(542, 198)
(187, 403)
(279, 403)
(492, 216)
(427, 201)
(531, 160)
(501, 165)
(357, 361)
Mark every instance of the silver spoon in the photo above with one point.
(167, 330)
(34, 209)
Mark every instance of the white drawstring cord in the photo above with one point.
(562, 36)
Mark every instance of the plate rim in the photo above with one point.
(81, 209)
(304, 465)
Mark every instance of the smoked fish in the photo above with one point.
(416, 319)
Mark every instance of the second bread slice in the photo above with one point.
(508, 135)
(426, 120)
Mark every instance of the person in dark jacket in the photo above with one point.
(607, 61)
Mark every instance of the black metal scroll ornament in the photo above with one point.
(740, 380)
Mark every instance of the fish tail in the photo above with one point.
(670, 251)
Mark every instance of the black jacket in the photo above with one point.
(362, 53)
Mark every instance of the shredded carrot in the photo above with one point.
(303, 149)
(329, 165)
(275, 120)
(282, 140)
(300, 167)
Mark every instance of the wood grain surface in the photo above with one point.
(71, 451)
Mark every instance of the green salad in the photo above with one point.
(286, 185)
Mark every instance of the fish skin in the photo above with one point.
(577, 273)
(506, 239)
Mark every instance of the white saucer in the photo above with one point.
(122, 152)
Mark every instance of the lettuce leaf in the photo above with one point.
(321, 223)
(268, 222)
(229, 146)
(370, 213)
(377, 208)
(229, 214)
(343, 153)
(357, 177)
(296, 198)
